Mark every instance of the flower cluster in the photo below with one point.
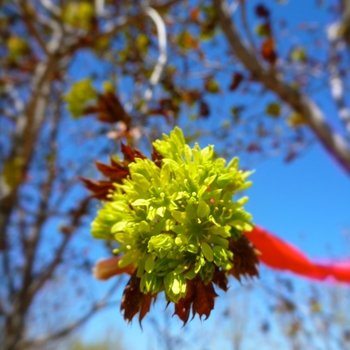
(176, 222)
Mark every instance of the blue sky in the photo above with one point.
(305, 202)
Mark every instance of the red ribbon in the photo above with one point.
(281, 255)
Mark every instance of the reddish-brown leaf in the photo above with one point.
(100, 188)
(220, 279)
(203, 109)
(245, 260)
(109, 109)
(131, 153)
(237, 79)
(204, 297)
(262, 11)
(291, 155)
(112, 110)
(116, 171)
(194, 14)
(268, 51)
(145, 307)
(253, 147)
(183, 306)
(134, 300)
(91, 110)
(190, 96)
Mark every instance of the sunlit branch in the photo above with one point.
(333, 142)
(28, 19)
(245, 24)
(100, 7)
(162, 58)
(335, 81)
(51, 7)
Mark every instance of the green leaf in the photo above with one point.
(142, 43)
(150, 264)
(191, 212)
(263, 30)
(119, 227)
(203, 209)
(218, 240)
(296, 120)
(242, 225)
(187, 41)
(144, 227)
(175, 286)
(13, 171)
(207, 251)
(127, 259)
(140, 180)
(212, 86)
(273, 109)
(179, 216)
(79, 96)
(190, 275)
(299, 54)
(140, 202)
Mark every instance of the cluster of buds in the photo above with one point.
(178, 228)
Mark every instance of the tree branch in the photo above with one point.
(103, 303)
(346, 21)
(50, 268)
(333, 142)
(336, 82)
(162, 58)
(28, 20)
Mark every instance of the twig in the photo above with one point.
(346, 21)
(28, 20)
(162, 58)
(245, 24)
(335, 80)
(35, 343)
(51, 7)
(50, 268)
(100, 7)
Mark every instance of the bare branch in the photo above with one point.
(245, 24)
(102, 304)
(28, 19)
(128, 20)
(334, 143)
(162, 58)
(51, 7)
(335, 81)
(346, 21)
(99, 7)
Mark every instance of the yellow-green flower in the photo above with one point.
(174, 222)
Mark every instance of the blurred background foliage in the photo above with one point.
(256, 78)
